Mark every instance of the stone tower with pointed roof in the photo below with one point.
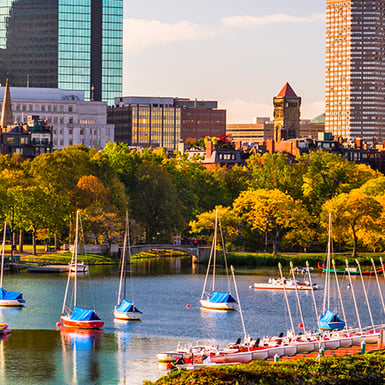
(6, 111)
(286, 114)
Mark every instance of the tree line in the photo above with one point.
(274, 201)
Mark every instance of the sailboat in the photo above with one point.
(78, 317)
(124, 309)
(329, 320)
(216, 300)
(8, 298)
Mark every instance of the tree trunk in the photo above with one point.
(21, 240)
(274, 246)
(354, 243)
(34, 241)
(56, 241)
(354, 246)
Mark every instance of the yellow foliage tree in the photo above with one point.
(354, 214)
(271, 212)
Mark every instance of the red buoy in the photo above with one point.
(58, 324)
(188, 306)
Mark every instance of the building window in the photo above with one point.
(81, 131)
(42, 108)
(11, 140)
(70, 120)
(61, 120)
(70, 108)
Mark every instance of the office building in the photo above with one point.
(73, 120)
(355, 69)
(200, 118)
(146, 121)
(72, 45)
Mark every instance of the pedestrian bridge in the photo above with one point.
(197, 252)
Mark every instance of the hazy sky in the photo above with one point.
(239, 52)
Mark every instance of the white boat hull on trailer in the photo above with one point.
(206, 304)
(260, 354)
(232, 357)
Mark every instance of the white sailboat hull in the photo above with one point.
(206, 304)
(12, 302)
(128, 316)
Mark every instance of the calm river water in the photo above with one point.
(123, 352)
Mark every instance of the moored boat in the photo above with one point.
(126, 310)
(215, 300)
(81, 267)
(77, 317)
(8, 298)
(288, 284)
(351, 270)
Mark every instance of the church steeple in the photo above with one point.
(6, 111)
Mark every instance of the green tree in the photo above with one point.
(30, 209)
(155, 203)
(275, 171)
(327, 175)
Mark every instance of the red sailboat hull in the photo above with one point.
(81, 324)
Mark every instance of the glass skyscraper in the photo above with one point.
(68, 44)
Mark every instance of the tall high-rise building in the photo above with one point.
(355, 69)
(67, 44)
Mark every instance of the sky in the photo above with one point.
(238, 52)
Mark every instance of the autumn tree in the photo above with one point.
(271, 212)
(227, 220)
(353, 215)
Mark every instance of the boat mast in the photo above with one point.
(366, 294)
(239, 302)
(312, 292)
(339, 292)
(2, 255)
(225, 258)
(215, 249)
(296, 293)
(287, 300)
(327, 276)
(208, 269)
(76, 255)
(354, 297)
(378, 284)
(123, 264)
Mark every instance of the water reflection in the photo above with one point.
(123, 342)
(79, 347)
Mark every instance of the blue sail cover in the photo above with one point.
(80, 314)
(4, 294)
(126, 307)
(330, 321)
(218, 297)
